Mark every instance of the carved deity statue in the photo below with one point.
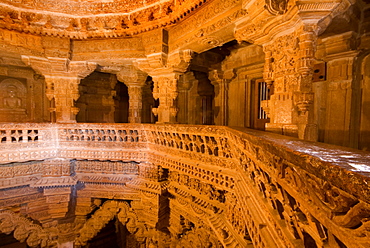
(12, 101)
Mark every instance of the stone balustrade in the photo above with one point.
(255, 189)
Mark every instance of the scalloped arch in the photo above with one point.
(24, 229)
(110, 209)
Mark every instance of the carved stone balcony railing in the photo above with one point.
(245, 187)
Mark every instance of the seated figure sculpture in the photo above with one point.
(12, 101)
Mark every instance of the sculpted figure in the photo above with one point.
(12, 101)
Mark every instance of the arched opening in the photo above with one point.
(100, 99)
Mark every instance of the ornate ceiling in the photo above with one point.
(126, 32)
(88, 7)
(93, 18)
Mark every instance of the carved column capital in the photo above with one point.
(215, 76)
(159, 63)
(131, 76)
(282, 13)
(62, 78)
(179, 61)
(62, 67)
(165, 71)
(186, 81)
(221, 76)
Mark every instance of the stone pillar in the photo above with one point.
(109, 100)
(62, 78)
(134, 80)
(304, 96)
(288, 70)
(166, 90)
(184, 102)
(220, 81)
(135, 93)
(165, 71)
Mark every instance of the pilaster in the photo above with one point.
(304, 96)
(62, 78)
(343, 90)
(288, 73)
(108, 100)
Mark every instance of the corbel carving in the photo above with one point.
(25, 230)
(165, 72)
(62, 78)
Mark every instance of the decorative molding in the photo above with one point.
(255, 187)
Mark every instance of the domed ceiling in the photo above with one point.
(87, 7)
(93, 18)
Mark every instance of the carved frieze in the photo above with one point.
(251, 185)
(93, 19)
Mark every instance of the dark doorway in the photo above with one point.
(260, 92)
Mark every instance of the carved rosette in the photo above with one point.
(277, 7)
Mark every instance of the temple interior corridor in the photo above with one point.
(185, 123)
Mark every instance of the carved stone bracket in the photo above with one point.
(264, 22)
(25, 230)
(165, 72)
(62, 78)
